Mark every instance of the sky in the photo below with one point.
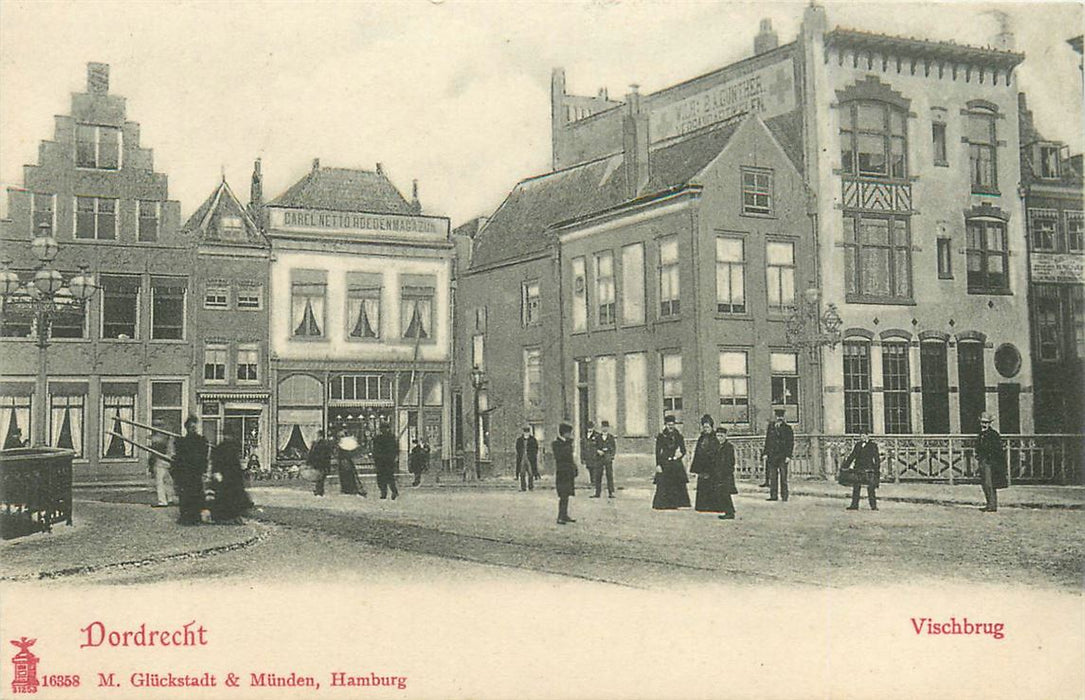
(452, 93)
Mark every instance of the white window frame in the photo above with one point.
(184, 310)
(530, 303)
(243, 348)
(97, 214)
(98, 147)
(140, 203)
(213, 350)
(209, 293)
(34, 213)
(751, 185)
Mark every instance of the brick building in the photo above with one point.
(129, 356)
(1052, 184)
(360, 304)
(230, 283)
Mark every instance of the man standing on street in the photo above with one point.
(189, 465)
(418, 460)
(385, 454)
(320, 459)
(527, 459)
(159, 466)
(604, 452)
(868, 467)
(589, 448)
(565, 471)
(992, 461)
(779, 444)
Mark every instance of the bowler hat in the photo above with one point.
(668, 419)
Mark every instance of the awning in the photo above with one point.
(234, 395)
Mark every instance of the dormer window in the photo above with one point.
(1049, 162)
(873, 140)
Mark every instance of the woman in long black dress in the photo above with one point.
(227, 482)
(671, 479)
(706, 465)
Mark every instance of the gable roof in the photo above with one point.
(524, 223)
(204, 227)
(344, 189)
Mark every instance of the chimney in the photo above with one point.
(316, 164)
(416, 206)
(256, 190)
(98, 78)
(1004, 40)
(635, 143)
(766, 39)
(603, 94)
(380, 168)
(558, 117)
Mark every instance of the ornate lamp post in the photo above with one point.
(43, 296)
(478, 381)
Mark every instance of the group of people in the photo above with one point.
(179, 478)
(385, 453)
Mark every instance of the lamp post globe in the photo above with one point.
(83, 285)
(44, 245)
(9, 281)
(48, 282)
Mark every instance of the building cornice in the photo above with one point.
(919, 48)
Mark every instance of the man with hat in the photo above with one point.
(779, 444)
(589, 451)
(605, 448)
(189, 465)
(992, 460)
(564, 471)
(527, 459)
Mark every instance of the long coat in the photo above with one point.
(227, 483)
(989, 451)
(671, 482)
(565, 470)
(605, 448)
(189, 465)
(589, 447)
(418, 459)
(867, 461)
(385, 451)
(708, 466)
(527, 449)
(779, 441)
(320, 455)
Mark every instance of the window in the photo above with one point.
(363, 305)
(532, 379)
(69, 319)
(232, 228)
(982, 154)
(1048, 319)
(877, 259)
(365, 387)
(529, 303)
(897, 387)
(606, 389)
(934, 376)
(580, 295)
(416, 306)
(168, 404)
(214, 363)
(1077, 320)
(972, 385)
(248, 363)
(604, 288)
(945, 259)
(300, 415)
(97, 147)
(250, 297)
(16, 318)
(731, 275)
(44, 207)
(307, 289)
(67, 423)
(671, 372)
(168, 308)
(938, 134)
(635, 389)
(785, 384)
(1049, 162)
(734, 387)
(1075, 231)
(780, 264)
(987, 257)
(478, 351)
(756, 191)
(668, 277)
(873, 140)
(1044, 224)
(216, 296)
(118, 406)
(148, 220)
(96, 218)
(15, 413)
(633, 284)
(857, 403)
(120, 306)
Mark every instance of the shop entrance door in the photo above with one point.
(245, 423)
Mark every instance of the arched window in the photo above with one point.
(858, 417)
(873, 139)
(982, 148)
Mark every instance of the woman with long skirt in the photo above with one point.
(230, 500)
(706, 465)
(670, 479)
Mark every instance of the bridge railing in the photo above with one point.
(1031, 459)
(35, 490)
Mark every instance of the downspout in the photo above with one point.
(556, 261)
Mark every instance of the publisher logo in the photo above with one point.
(26, 667)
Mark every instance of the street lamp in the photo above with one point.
(478, 380)
(811, 329)
(42, 296)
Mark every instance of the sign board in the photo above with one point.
(769, 91)
(1057, 267)
(314, 220)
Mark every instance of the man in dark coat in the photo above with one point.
(670, 479)
(589, 447)
(992, 461)
(779, 444)
(565, 471)
(605, 449)
(527, 459)
(418, 460)
(726, 466)
(385, 454)
(320, 459)
(868, 466)
(227, 483)
(189, 465)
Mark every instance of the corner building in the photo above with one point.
(360, 302)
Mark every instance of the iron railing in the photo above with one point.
(35, 490)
